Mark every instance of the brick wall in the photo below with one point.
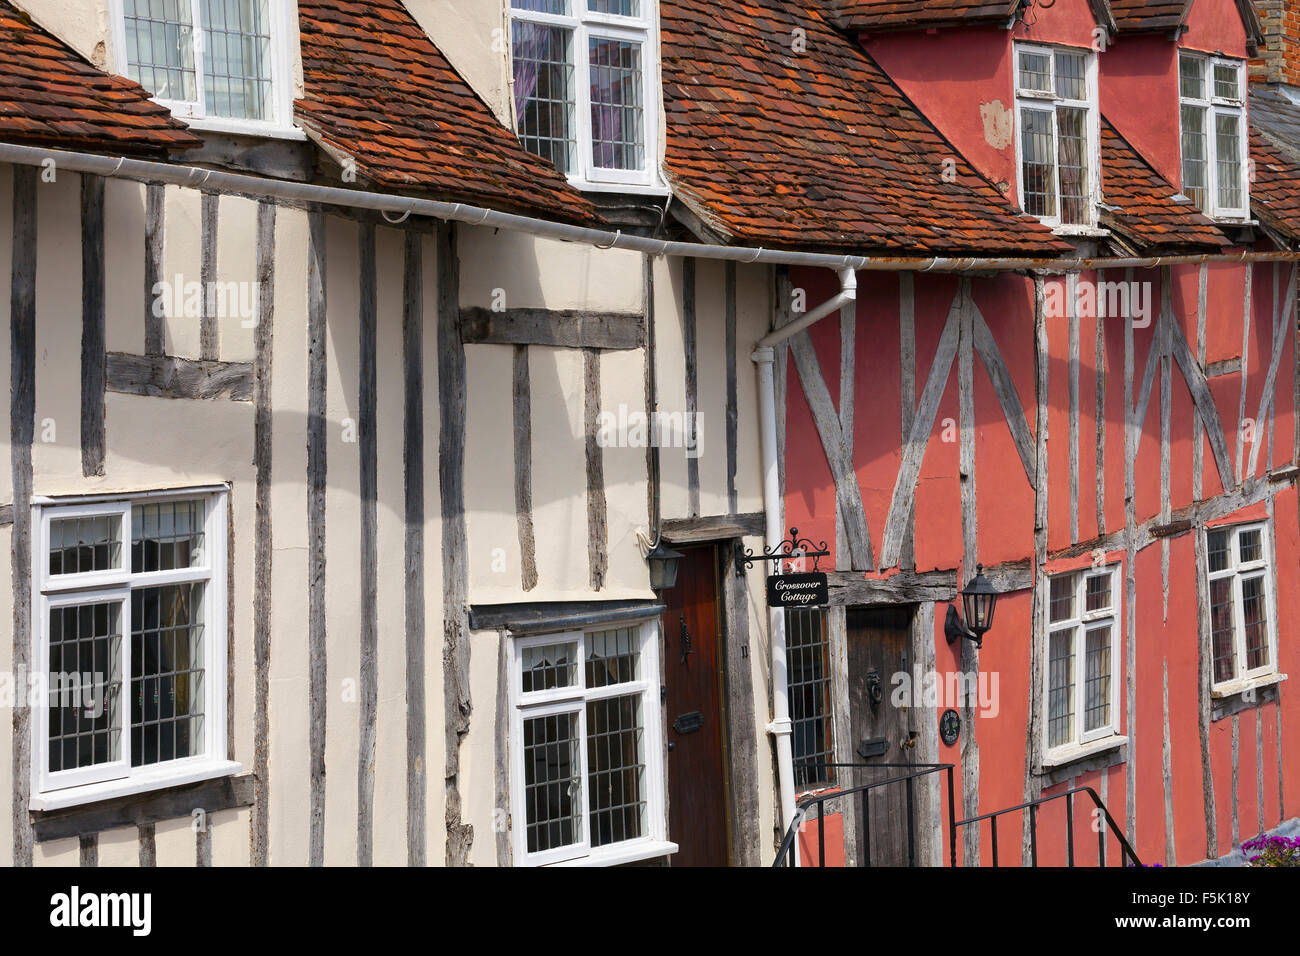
(1279, 59)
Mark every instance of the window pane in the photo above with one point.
(237, 58)
(1221, 629)
(1254, 612)
(1060, 688)
(160, 47)
(550, 666)
(1096, 688)
(1035, 71)
(80, 545)
(1098, 597)
(1037, 165)
(622, 8)
(167, 536)
(552, 784)
(809, 680)
(1194, 146)
(1072, 146)
(167, 693)
(1250, 545)
(613, 657)
(542, 6)
(1225, 81)
(1062, 598)
(617, 111)
(1071, 83)
(1217, 550)
(615, 769)
(544, 94)
(1191, 77)
(1227, 154)
(85, 689)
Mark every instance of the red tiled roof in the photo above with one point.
(50, 95)
(818, 148)
(1275, 190)
(1147, 212)
(861, 15)
(379, 92)
(1133, 15)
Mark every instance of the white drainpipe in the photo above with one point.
(765, 357)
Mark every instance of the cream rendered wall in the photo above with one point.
(473, 35)
(125, 297)
(120, 847)
(237, 263)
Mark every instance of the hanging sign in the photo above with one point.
(797, 590)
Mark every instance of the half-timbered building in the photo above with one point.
(365, 359)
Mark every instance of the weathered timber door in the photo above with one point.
(697, 793)
(878, 640)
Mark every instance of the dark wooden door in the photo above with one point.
(878, 639)
(697, 802)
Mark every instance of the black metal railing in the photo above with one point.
(787, 856)
(1126, 850)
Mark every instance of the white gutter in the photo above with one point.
(197, 177)
(764, 357)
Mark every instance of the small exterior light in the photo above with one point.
(979, 600)
(663, 562)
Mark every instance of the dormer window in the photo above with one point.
(1057, 135)
(583, 74)
(1212, 112)
(218, 64)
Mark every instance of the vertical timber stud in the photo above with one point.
(597, 511)
(89, 847)
(782, 315)
(970, 663)
(1038, 602)
(1072, 382)
(1203, 660)
(523, 429)
(22, 426)
(155, 334)
(1100, 417)
(209, 338)
(263, 341)
(1167, 757)
(501, 742)
(651, 393)
(1245, 364)
(93, 356)
(413, 547)
(907, 379)
(368, 484)
(742, 740)
(1198, 440)
(148, 845)
(689, 354)
(1131, 435)
(837, 637)
(1163, 337)
(1236, 779)
(732, 410)
(455, 573)
(848, 323)
(316, 484)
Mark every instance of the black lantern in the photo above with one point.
(663, 563)
(978, 600)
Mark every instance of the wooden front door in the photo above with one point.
(697, 800)
(878, 640)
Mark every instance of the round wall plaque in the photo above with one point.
(949, 726)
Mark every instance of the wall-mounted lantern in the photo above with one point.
(663, 562)
(978, 600)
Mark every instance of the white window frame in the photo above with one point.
(573, 699)
(584, 24)
(1040, 100)
(1215, 106)
(282, 16)
(1236, 570)
(54, 790)
(1084, 741)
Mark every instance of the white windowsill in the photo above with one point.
(630, 852)
(1234, 687)
(636, 189)
(1081, 232)
(159, 779)
(214, 124)
(1063, 755)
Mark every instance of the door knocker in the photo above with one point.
(875, 693)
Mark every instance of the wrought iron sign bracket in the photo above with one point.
(792, 548)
